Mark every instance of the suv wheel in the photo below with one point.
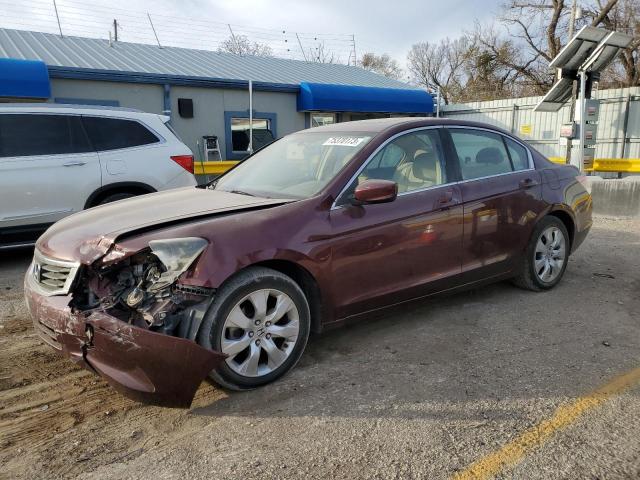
(115, 197)
(261, 320)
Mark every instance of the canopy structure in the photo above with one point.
(348, 98)
(24, 79)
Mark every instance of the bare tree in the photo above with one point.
(440, 65)
(320, 54)
(624, 17)
(382, 64)
(241, 45)
(539, 29)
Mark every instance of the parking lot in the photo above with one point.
(466, 385)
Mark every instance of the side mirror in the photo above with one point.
(375, 191)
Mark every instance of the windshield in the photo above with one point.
(296, 166)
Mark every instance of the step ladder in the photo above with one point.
(210, 146)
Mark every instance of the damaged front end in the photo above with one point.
(128, 318)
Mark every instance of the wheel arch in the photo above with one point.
(118, 187)
(567, 219)
(306, 281)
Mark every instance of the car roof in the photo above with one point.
(379, 125)
(68, 108)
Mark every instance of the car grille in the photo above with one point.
(53, 276)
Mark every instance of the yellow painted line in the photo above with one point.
(510, 454)
(212, 167)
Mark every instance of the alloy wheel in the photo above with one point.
(260, 332)
(550, 254)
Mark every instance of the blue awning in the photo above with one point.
(347, 98)
(24, 79)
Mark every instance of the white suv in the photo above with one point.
(59, 159)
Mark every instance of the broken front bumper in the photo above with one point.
(147, 366)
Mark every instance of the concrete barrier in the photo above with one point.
(615, 197)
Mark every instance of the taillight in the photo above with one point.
(185, 161)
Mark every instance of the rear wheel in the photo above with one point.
(546, 256)
(261, 320)
(115, 197)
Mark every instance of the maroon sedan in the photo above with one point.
(228, 280)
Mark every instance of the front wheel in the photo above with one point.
(546, 256)
(261, 320)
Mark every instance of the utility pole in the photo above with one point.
(355, 56)
(572, 21)
(574, 90)
(115, 30)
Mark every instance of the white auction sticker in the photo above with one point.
(344, 141)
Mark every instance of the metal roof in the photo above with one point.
(92, 55)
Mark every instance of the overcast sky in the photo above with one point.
(378, 25)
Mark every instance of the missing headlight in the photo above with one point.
(141, 289)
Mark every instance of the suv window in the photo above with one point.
(480, 153)
(35, 134)
(518, 154)
(414, 161)
(114, 133)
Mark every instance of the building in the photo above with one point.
(204, 92)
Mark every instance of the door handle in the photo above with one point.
(528, 183)
(445, 200)
(78, 163)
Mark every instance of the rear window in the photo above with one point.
(115, 133)
(34, 134)
(518, 154)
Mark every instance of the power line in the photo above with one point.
(74, 19)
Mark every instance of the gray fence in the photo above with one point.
(618, 124)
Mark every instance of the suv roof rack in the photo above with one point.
(68, 105)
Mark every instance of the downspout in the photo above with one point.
(167, 101)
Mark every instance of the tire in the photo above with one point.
(115, 197)
(239, 302)
(541, 254)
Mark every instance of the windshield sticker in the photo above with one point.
(344, 141)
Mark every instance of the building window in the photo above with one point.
(237, 132)
(240, 134)
(319, 119)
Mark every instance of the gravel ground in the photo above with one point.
(421, 392)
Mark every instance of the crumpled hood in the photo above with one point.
(88, 235)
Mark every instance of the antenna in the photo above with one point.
(302, 49)
(55, 7)
(154, 30)
(235, 40)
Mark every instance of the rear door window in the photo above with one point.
(480, 153)
(35, 134)
(114, 133)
